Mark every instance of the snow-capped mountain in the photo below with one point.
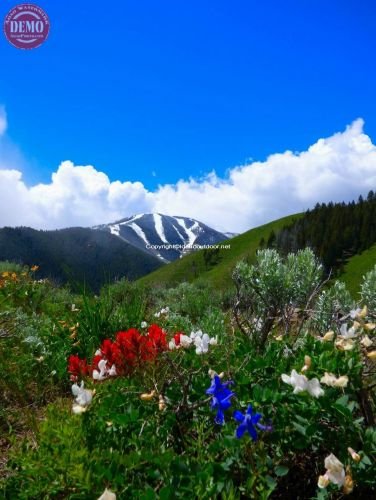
(163, 236)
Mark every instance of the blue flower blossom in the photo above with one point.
(221, 396)
(249, 422)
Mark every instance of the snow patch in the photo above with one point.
(139, 232)
(158, 223)
(115, 229)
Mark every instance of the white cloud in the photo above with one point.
(3, 121)
(336, 168)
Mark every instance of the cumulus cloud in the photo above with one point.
(337, 168)
(3, 121)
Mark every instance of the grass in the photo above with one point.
(356, 268)
(192, 267)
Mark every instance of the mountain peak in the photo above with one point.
(164, 236)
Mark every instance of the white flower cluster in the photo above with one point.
(163, 312)
(200, 340)
(103, 371)
(300, 383)
(83, 398)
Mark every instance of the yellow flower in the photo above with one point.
(5, 274)
(323, 481)
(307, 364)
(363, 313)
(332, 381)
(372, 355)
(328, 336)
(370, 326)
(345, 344)
(34, 268)
(147, 396)
(366, 341)
(162, 403)
(354, 455)
(349, 485)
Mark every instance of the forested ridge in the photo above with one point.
(80, 256)
(335, 231)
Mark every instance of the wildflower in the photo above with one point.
(348, 485)
(372, 355)
(248, 422)
(323, 481)
(144, 324)
(83, 398)
(213, 373)
(354, 455)
(163, 312)
(370, 326)
(202, 341)
(345, 344)
(221, 396)
(335, 473)
(328, 336)
(348, 333)
(148, 396)
(300, 383)
(34, 268)
(366, 341)
(279, 338)
(77, 367)
(307, 364)
(179, 340)
(107, 495)
(333, 381)
(161, 403)
(103, 371)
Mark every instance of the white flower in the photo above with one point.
(345, 344)
(334, 470)
(300, 383)
(107, 495)
(214, 340)
(83, 398)
(172, 345)
(202, 343)
(331, 380)
(185, 341)
(143, 324)
(104, 372)
(354, 313)
(366, 341)
(348, 333)
(163, 312)
(359, 313)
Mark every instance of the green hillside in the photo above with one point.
(216, 268)
(356, 268)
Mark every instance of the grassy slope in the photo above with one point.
(191, 267)
(356, 268)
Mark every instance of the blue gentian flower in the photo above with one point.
(221, 396)
(249, 422)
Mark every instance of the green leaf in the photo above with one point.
(281, 470)
(299, 428)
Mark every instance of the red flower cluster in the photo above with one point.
(129, 350)
(78, 368)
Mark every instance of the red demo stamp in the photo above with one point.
(26, 26)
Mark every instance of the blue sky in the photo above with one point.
(181, 88)
(188, 108)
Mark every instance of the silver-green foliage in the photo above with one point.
(368, 289)
(273, 287)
